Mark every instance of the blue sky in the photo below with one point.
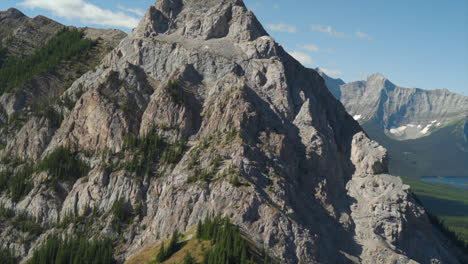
(415, 43)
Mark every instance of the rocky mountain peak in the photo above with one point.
(11, 13)
(376, 77)
(195, 19)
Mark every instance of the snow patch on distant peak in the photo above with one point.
(357, 117)
(426, 129)
(399, 130)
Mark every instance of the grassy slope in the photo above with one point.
(195, 247)
(436, 155)
(189, 244)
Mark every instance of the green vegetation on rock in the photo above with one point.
(62, 165)
(68, 43)
(74, 250)
(229, 245)
(214, 241)
(3, 54)
(20, 221)
(7, 257)
(16, 183)
(166, 252)
(149, 150)
(122, 211)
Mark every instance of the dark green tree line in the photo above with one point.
(229, 246)
(7, 256)
(3, 54)
(62, 164)
(68, 43)
(166, 252)
(74, 250)
(149, 150)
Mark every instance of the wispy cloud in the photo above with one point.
(136, 11)
(329, 30)
(315, 48)
(302, 57)
(87, 13)
(363, 35)
(282, 28)
(331, 72)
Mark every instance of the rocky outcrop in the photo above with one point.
(24, 132)
(206, 73)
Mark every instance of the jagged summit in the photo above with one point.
(205, 20)
(376, 77)
(11, 13)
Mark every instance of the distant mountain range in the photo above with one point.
(425, 131)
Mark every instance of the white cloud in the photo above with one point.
(302, 57)
(332, 72)
(311, 47)
(282, 28)
(363, 35)
(87, 13)
(315, 48)
(329, 30)
(136, 11)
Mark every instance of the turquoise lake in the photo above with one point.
(460, 182)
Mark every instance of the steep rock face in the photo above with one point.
(314, 186)
(405, 113)
(24, 131)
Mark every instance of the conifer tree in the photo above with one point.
(161, 254)
(199, 230)
(189, 259)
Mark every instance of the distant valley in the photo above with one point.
(425, 131)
